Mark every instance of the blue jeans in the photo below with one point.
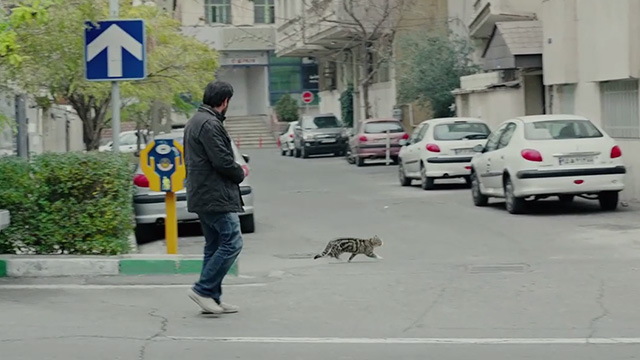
(223, 243)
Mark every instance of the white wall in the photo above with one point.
(192, 12)
(237, 77)
(382, 98)
(330, 103)
(257, 90)
(495, 106)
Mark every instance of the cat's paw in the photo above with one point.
(379, 257)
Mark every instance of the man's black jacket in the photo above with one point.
(213, 175)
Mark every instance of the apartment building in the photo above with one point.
(591, 68)
(243, 32)
(323, 29)
(507, 35)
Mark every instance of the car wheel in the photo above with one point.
(608, 200)
(427, 183)
(290, 152)
(283, 152)
(146, 233)
(348, 156)
(247, 224)
(359, 161)
(566, 199)
(514, 205)
(478, 198)
(297, 153)
(305, 154)
(395, 160)
(404, 180)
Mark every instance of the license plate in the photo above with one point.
(576, 160)
(328, 141)
(465, 152)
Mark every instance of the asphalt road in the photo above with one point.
(456, 282)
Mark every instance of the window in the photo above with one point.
(381, 127)
(561, 129)
(619, 101)
(416, 132)
(506, 135)
(285, 78)
(320, 122)
(218, 11)
(460, 131)
(264, 12)
(492, 141)
(421, 133)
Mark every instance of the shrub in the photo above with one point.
(346, 105)
(287, 109)
(74, 203)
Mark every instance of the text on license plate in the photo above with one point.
(465, 152)
(328, 141)
(576, 160)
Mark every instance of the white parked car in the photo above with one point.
(128, 142)
(440, 149)
(285, 141)
(548, 155)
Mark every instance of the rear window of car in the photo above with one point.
(381, 127)
(460, 131)
(321, 122)
(561, 129)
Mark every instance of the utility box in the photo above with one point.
(4, 219)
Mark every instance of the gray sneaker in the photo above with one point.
(206, 304)
(227, 309)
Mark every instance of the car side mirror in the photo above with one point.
(246, 158)
(478, 148)
(403, 142)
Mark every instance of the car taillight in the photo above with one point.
(405, 136)
(291, 136)
(531, 155)
(141, 181)
(433, 148)
(279, 143)
(246, 170)
(616, 152)
(363, 138)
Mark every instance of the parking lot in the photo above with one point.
(456, 282)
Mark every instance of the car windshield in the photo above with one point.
(380, 127)
(460, 131)
(320, 122)
(561, 129)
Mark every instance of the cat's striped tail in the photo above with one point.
(325, 252)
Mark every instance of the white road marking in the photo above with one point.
(419, 341)
(107, 287)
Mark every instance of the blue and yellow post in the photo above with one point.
(162, 161)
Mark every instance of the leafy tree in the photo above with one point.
(431, 70)
(346, 105)
(287, 109)
(44, 56)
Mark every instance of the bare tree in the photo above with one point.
(370, 26)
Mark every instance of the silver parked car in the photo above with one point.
(150, 208)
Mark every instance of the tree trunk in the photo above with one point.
(365, 97)
(92, 113)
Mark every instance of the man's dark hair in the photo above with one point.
(216, 93)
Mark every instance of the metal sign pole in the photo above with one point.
(388, 152)
(114, 11)
(171, 224)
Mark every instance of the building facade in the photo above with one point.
(592, 67)
(323, 29)
(243, 32)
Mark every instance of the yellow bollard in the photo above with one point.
(171, 224)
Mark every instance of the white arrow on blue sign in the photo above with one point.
(115, 50)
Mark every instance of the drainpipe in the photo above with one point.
(356, 91)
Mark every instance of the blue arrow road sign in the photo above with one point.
(115, 50)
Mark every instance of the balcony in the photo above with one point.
(490, 12)
(322, 27)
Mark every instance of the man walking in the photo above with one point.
(213, 192)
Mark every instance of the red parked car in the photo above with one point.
(370, 140)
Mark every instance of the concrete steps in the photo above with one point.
(250, 132)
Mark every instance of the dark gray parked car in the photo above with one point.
(319, 134)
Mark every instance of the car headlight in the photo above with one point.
(308, 137)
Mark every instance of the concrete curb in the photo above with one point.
(50, 266)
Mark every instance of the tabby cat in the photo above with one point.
(355, 246)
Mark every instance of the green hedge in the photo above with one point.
(73, 203)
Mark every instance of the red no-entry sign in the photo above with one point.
(307, 97)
